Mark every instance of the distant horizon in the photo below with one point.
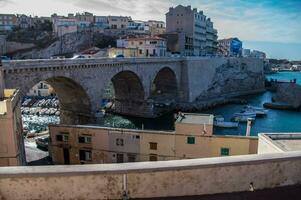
(272, 26)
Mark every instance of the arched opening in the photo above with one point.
(164, 86)
(128, 93)
(55, 100)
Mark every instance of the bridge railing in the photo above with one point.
(56, 62)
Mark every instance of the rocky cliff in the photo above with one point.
(289, 93)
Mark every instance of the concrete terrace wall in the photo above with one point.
(152, 179)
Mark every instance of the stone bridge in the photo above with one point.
(139, 83)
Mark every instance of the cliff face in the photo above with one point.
(289, 93)
(69, 43)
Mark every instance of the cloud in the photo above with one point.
(138, 9)
(5, 2)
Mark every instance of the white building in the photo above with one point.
(147, 46)
(62, 26)
(41, 89)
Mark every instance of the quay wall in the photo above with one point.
(152, 179)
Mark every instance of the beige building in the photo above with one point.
(147, 46)
(192, 138)
(12, 151)
(156, 27)
(278, 142)
(194, 24)
(125, 52)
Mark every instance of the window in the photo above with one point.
(85, 155)
(153, 157)
(153, 145)
(62, 137)
(85, 139)
(119, 158)
(119, 142)
(225, 151)
(190, 140)
(140, 51)
(131, 158)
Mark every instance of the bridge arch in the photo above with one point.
(75, 105)
(129, 92)
(165, 85)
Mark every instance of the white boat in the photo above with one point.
(250, 114)
(259, 111)
(242, 118)
(220, 122)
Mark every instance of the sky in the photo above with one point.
(273, 26)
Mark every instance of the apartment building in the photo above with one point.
(12, 152)
(178, 43)
(193, 138)
(156, 27)
(147, 46)
(194, 24)
(24, 21)
(62, 26)
(118, 22)
(230, 47)
(7, 22)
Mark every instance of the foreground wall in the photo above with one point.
(156, 179)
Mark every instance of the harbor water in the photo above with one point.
(275, 121)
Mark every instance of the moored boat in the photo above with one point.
(220, 122)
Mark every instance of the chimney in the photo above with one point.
(249, 124)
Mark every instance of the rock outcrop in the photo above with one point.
(289, 93)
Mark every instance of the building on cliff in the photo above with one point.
(193, 138)
(193, 24)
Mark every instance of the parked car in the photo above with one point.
(42, 142)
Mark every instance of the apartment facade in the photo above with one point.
(147, 46)
(156, 27)
(7, 22)
(193, 138)
(12, 152)
(118, 22)
(193, 24)
(179, 43)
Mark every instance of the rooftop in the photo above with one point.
(285, 141)
(189, 118)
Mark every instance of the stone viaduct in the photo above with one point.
(139, 83)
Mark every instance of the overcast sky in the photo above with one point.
(270, 25)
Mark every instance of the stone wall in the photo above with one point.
(152, 179)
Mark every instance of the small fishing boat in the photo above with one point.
(220, 122)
